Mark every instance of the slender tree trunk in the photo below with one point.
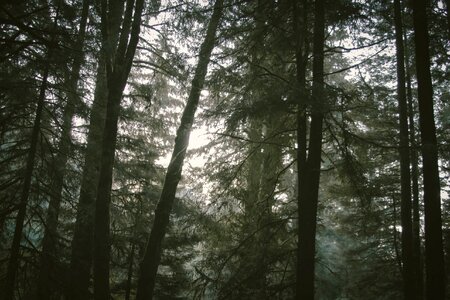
(300, 20)
(13, 263)
(152, 256)
(310, 193)
(417, 252)
(47, 264)
(130, 271)
(398, 256)
(434, 254)
(118, 67)
(447, 8)
(408, 270)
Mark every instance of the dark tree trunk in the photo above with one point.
(434, 254)
(398, 256)
(447, 8)
(152, 256)
(82, 243)
(118, 67)
(417, 249)
(300, 20)
(408, 270)
(13, 263)
(308, 196)
(130, 271)
(48, 255)
(102, 223)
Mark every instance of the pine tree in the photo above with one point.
(434, 253)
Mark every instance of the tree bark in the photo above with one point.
(447, 9)
(417, 252)
(408, 271)
(398, 256)
(309, 193)
(130, 270)
(308, 200)
(253, 283)
(82, 243)
(152, 256)
(434, 254)
(48, 255)
(13, 263)
(300, 10)
(118, 67)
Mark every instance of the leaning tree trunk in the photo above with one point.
(434, 254)
(152, 256)
(13, 263)
(48, 254)
(118, 66)
(309, 194)
(408, 270)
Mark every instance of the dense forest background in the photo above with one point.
(227, 149)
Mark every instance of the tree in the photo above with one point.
(434, 253)
(410, 271)
(152, 256)
(295, 182)
(82, 242)
(57, 178)
(300, 9)
(118, 64)
(13, 263)
(308, 196)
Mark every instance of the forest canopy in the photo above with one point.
(224, 149)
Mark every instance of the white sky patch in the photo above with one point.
(199, 138)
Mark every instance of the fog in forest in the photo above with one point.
(224, 149)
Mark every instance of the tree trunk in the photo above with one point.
(82, 243)
(118, 66)
(300, 9)
(408, 270)
(152, 256)
(13, 263)
(398, 257)
(447, 8)
(48, 254)
(417, 249)
(434, 254)
(253, 283)
(269, 178)
(130, 271)
(308, 196)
